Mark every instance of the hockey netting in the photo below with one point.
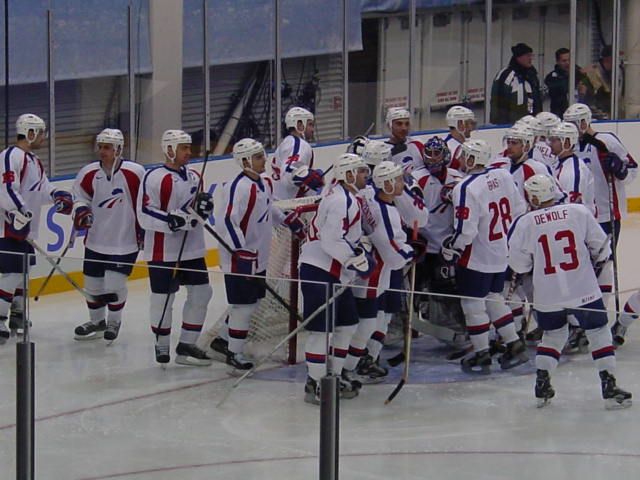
(271, 322)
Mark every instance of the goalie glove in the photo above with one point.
(203, 204)
(292, 220)
(63, 201)
(362, 263)
(450, 254)
(244, 261)
(19, 224)
(181, 220)
(82, 217)
(308, 177)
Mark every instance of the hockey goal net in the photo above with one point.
(271, 322)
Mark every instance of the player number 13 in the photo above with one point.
(569, 249)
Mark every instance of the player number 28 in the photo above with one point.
(569, 249)
(500, 210)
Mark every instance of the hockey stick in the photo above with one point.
(174, 272)
(407, 329)
(72, 239)
(104, 298)
(292, 334)
(268, 287)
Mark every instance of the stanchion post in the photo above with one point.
(329, 428)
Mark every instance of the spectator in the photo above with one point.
(558, 82)
(516, 89)
(597, 82)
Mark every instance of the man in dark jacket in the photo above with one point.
(558, 82)
(516, 89)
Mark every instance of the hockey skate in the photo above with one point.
(4, 331)
(220, 348)
(577, 342)
(514, 355)
(348, 388)
(534, 336)
(312, 392)
(618, 332)
(238, 361)
(16, 322)
(111, 333)
(162, 355)
(190, 354)
(369, 371)
(350, 377)
(90, 330)
(614, 397)
(544, 390)
(479, 363)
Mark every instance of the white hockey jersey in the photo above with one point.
(440, 222)
(411, 207)
(112, 199)
(455, 150)
(25, 187)
(557, 243)
(543, 154)
(485, 205)
(575, 178)
(292, 153)
(589, 154)
(521, 172)
(246, 219)
(163, 191)
(410, 158)
(334, 232)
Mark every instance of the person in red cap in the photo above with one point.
(516, 89)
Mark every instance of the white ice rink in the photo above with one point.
(112, 413)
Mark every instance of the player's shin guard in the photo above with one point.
(605, 282)
(156, 306)
(602, 350)
(477, 321)
(115, 282)
(239, 321)
(358, 344)
(550, 347)
(631, 309)
(194, 312)
(501, 317)
(95, 286)
(376, 342)
(316, 355)
(340, 342)
(8, 284)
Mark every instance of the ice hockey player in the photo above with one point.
(485, 203)
(561, 244)
(105, 195)
(164, 211)
(461, 122)
(406, 152)
(436, 182)
(292, 165)
(25, 189)
(333, 255)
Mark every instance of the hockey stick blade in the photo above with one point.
(395, 391)
(397, 360)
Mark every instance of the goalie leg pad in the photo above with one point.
(550, 347)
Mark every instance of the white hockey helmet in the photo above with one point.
(396, 113)
(458, 113)
(576, 113)
(548, 120)
(173, 138)
(386, 171)
(345, 163)
(27, 122)
(245, 149)
(295, 115)
(376, 152)
(564, 131)
(522, 132)
(535, 125)
(540, 188)
(112, 136)
(479, 150)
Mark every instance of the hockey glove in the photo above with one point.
(292, 220)
(362, 263)
(613, 164)
(365, 244)
(244, 261)
(181, 220)
(82, 217)
(357, 145)
(308, 177)
(419, 246)
(449, 253)
(19, 224)
(63, 202)
(203, 204)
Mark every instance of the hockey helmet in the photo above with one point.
(386, 171)
(345, 163)
(548, 120)
(576, 113)
(535, 125)
(522, 132)
(375, 152)
(479, 150)
(540, 188)
(396, 113)
(245, 149)
(173, 138)
(458, 113)
(564, 131)
(295, 115)
(112, 136)
(29, 122)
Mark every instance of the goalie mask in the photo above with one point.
(436, 155)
